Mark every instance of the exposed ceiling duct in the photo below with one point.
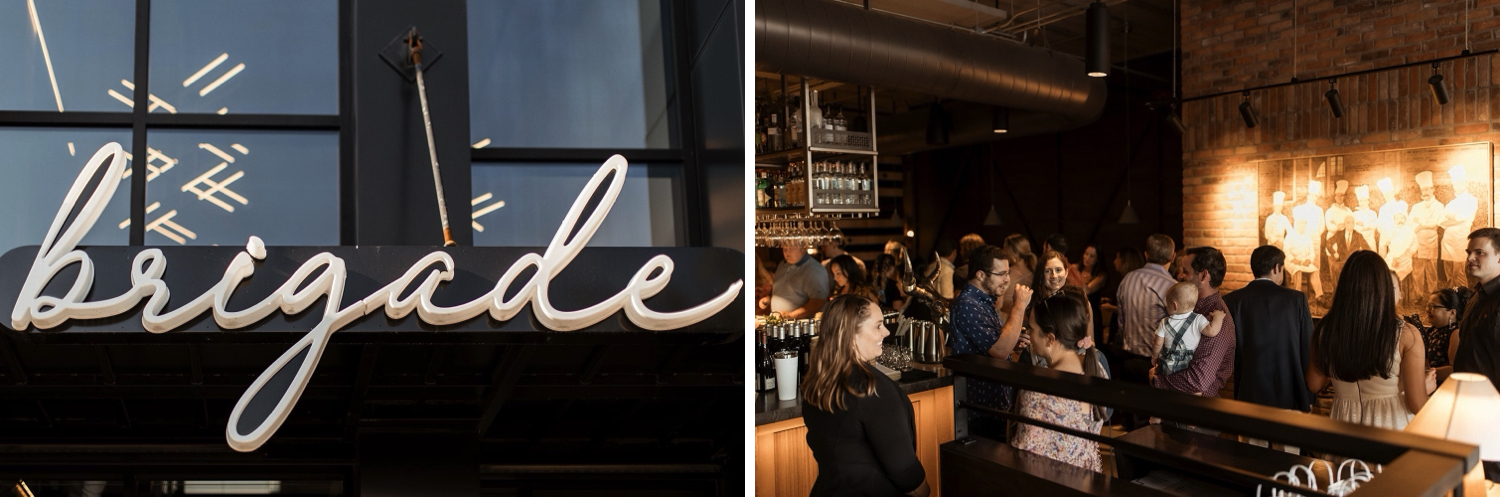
(831, 40)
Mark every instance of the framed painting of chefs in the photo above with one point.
(1415, 207)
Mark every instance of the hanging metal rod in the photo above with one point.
(1466, 54)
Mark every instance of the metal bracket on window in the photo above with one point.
(398, 56)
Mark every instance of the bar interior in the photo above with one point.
(1143, 247)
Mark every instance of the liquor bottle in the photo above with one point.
(773, 135)
(815, 118)
(765, 369)
(795, 122)
(805, 327)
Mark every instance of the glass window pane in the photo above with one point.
(245, 57)
(568, 74)
(40, 165)
(67, 54)
(220, 187)
(524, 204)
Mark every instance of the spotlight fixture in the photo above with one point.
(1333, 99)
(1176, 122)
(1096, 57)
(1439, 90)
(1000, 120)
(1248, 112)
(937, 125)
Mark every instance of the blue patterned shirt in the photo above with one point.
(976, 328)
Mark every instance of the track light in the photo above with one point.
(1096, 57)
(1000, 120)
(1333, 99)
(1248, 112)
(937, 125)
(1439, 90)
(1176, 122)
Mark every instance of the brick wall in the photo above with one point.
(1228, 45)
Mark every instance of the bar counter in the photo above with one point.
(784, 465)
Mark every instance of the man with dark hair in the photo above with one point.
(940, 271)
(831, 248)
(1057, 243)
(1275, 328)
(978, 329)
(1213, 362)
(1141, 308)
(1478, 342)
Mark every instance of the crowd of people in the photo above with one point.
(1164, 323)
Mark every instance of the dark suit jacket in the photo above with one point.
(1274, 329)
(1338, 250)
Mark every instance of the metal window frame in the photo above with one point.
(689, 202)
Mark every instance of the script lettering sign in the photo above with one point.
(562, 288)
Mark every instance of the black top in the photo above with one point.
(1436, 338)
(1273, 328)
(1479, 333)
(868, 448)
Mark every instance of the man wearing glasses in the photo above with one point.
(979, 329)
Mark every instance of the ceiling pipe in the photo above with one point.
(831, 40)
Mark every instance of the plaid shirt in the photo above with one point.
(1212, 363)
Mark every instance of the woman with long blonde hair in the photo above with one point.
(860, 426)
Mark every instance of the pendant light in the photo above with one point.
(1000, 120)
(1172, 118)
(1096, 57)
(1128, 216)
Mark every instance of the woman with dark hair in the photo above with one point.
(1129, 259)
(848, 278)
(1374, 359)
(860, 426)
(1017, 250)
(885, 279)
(1059, 324)
(1444, 308)
(1087, 275)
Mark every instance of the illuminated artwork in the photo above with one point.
(1414, 207)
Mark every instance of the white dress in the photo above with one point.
(1373, 401)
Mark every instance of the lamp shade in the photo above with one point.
(993, 219)
(1128, 216)
(1462, 410)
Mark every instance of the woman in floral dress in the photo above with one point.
(1058, 325)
